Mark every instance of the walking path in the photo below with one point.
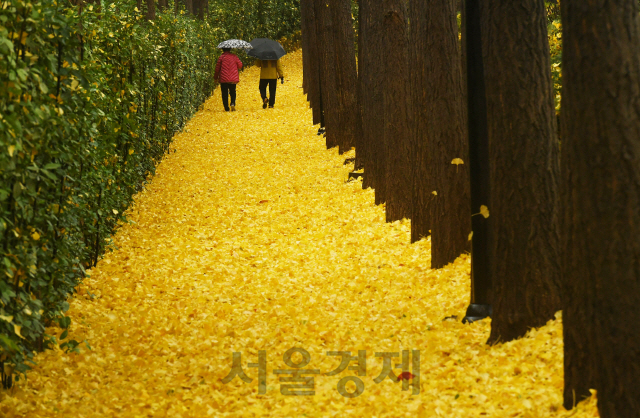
(248, 239)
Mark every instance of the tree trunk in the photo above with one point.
(422, 185)
(151, 10)
(346, 74)
(601, 197)
(370, 81)
(200, 8)
(188, 4)
(326, 55)
(444, 140)
(363, 54)
(304, 31)
(523, 150)
(162, 5)
(396, 95)
(313, 62)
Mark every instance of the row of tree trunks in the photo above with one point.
(524, 167)
(420, 123)
(600, 122)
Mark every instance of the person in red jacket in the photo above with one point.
(227, 75)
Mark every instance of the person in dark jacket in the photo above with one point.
(227, 75)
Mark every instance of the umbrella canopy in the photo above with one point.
(266, 49)
(235, 43)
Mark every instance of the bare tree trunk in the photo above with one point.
(397, 151)
(363, 54)
(199, 8)
(371, 80)
(313, 61)
(326, 54)
(443, 149)
(346, 75)
(189, 6)
(151, 10)
(600, 121)
(423, 186)
(524, 167)
(304, 31)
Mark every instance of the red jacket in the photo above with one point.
(227, 68)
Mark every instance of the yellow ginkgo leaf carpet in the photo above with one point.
(249, 240)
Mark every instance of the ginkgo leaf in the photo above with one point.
(17, 329)
(484, 211)
(434, 193)
(115, 212)
(470, 235)
(12, 148)
(6, 318)
(35, 236)
(457, 162)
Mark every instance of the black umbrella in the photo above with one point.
(266, 49)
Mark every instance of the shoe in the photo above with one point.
(233, 108)
(270, 107)
(265, 102)
(226, 110)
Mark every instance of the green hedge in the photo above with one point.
(89, 102)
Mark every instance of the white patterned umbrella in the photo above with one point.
(235, 43)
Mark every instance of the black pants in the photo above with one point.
(272, 83)
(228, 89)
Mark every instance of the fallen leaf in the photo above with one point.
(405, 376)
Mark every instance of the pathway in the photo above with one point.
(248, 239)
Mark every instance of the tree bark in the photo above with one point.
(523, 150)
(397, 145)
(443, 188)
(422, 185)
(162, 5)
(600, 121)
(151, 10)
(188, 4)
(326, 54)
(313, 62)
(304, 31)
(363, 54)
(346, 75)
(200, 8)
(372, 71)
